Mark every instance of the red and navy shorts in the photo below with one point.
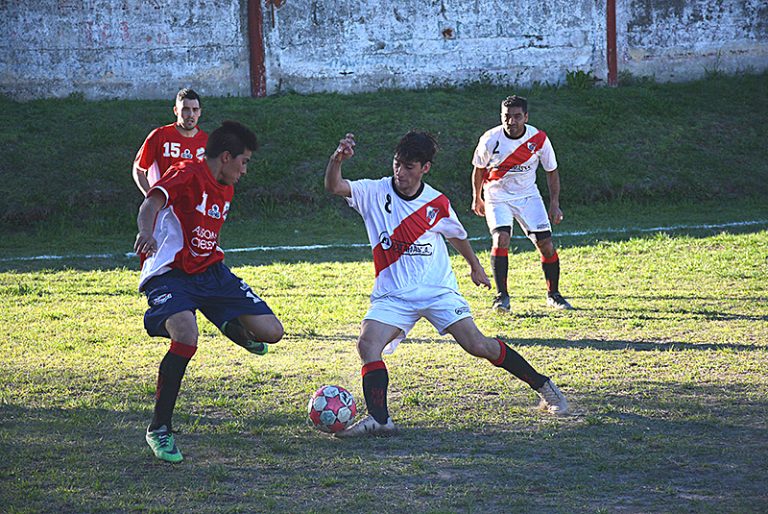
(216, 292)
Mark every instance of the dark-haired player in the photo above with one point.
(183, 270)
(172, 143)
(406, 221)
(504, 190)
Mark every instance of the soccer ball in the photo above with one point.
(332, 408)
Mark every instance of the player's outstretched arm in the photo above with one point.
(334, 182)
(145, 241)
(477, 272)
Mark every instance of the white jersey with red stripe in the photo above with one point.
(187, 227)
(511, 163)
(406, 235)
(166, 146)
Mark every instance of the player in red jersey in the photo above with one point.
(183, 270)
(407, 221)
(172, 143)
(504, 190)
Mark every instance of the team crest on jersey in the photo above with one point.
(187, 154)
(432, 213)
(214, 212)
(531, 146)
(385, 241)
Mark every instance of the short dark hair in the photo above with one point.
(516, 101)
(232, 137)
(416, 146)
(189, 94)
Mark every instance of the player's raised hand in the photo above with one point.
(346, 148)
(145, 243)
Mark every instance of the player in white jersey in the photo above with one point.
(504, 190)
(407, 222)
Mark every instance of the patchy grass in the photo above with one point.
(664, 361)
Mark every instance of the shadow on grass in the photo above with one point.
(669, 446)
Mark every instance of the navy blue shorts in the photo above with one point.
(217, 292)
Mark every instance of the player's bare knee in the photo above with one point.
(182, 328)
(275, 334)
(546, 247)
(501, 238)
(369, 349)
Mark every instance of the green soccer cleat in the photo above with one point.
(240, 336)
(162, 443)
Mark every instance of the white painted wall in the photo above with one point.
(151, 48)
(122, 48)
(359, 45)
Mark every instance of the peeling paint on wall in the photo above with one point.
(151, 48)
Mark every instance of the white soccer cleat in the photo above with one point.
(552, 400)
(368, 427)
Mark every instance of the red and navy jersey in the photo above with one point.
(406, 236)
(166, 146)
(187, 227)
(512, 163)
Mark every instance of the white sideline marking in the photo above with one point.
(362, 245)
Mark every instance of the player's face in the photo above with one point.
(408, 175)
(514, 120)
(234, 167)
(187, 113)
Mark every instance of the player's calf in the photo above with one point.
(238, 334)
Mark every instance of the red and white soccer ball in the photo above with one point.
(332, 408)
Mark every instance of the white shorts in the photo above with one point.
(442, 311)
(529, 212)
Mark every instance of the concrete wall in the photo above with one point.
(122, 48)
(676, 40)
(357, 45)
(151, 48)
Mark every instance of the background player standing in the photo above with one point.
(172, 143)
(504, 189)
(406, 221)
(179, 224)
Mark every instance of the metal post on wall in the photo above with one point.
(256, 49)
(610, 15)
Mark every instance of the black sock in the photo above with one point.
(513, 362)
(172, 369)
(375, 383)
(500, 268)
(551, 269)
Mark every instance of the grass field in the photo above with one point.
(665, 361)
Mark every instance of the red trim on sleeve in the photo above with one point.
(184, 350)
(503, 353)
(552, 259)
(499, 252)
(373, 366)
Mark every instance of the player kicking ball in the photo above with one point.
(184, 271)
(407, 221)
